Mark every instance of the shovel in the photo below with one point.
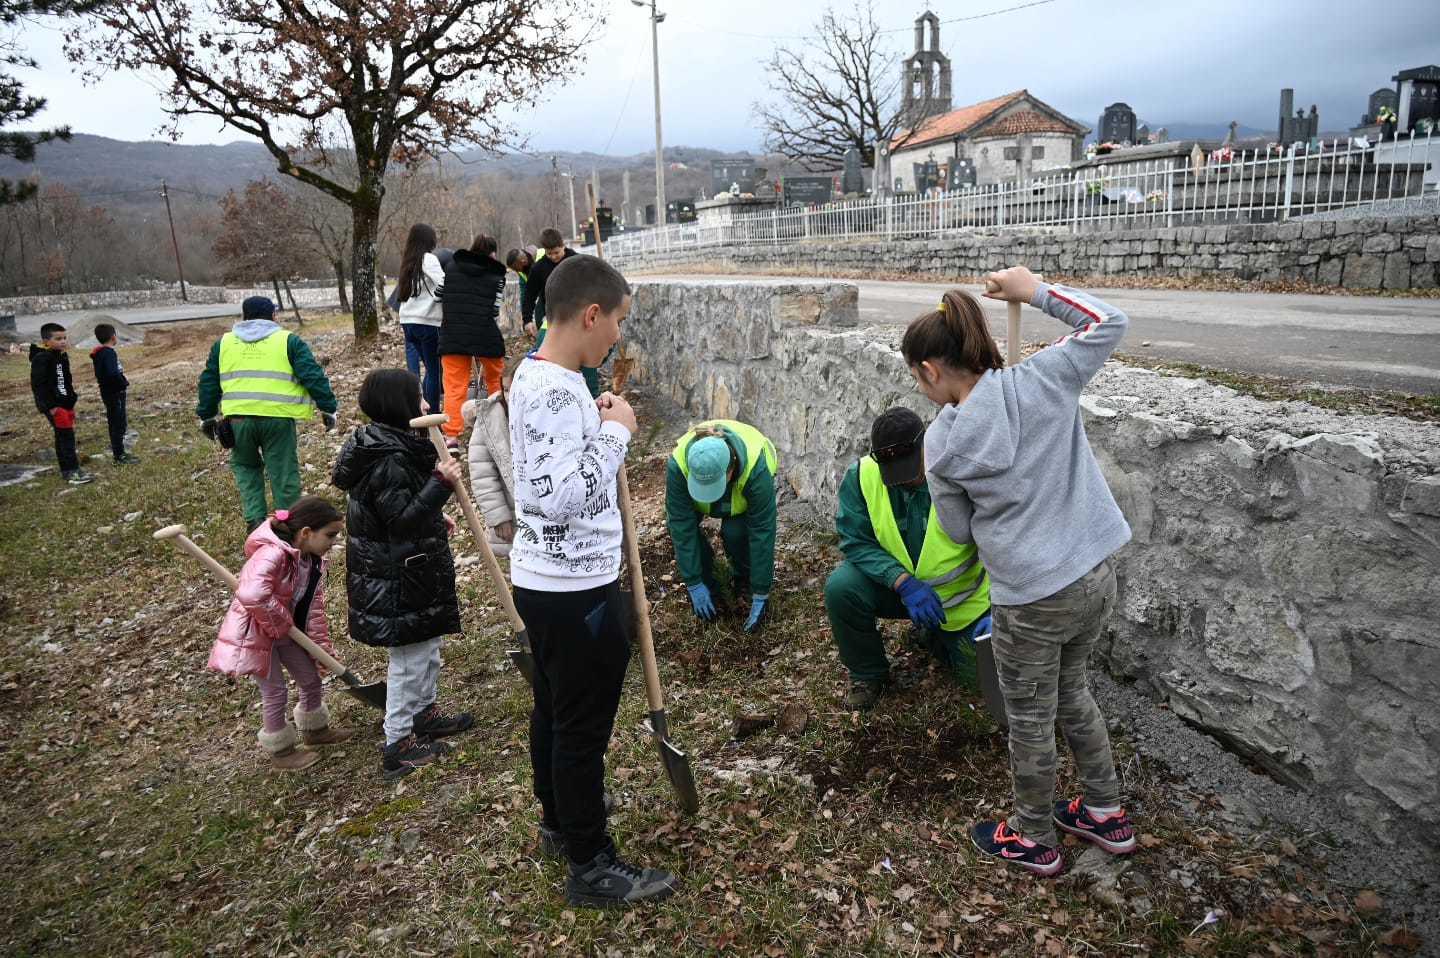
(677, 765)
(521, 655)
(990, 681)
(372, 693)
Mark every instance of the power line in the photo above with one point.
(976, 16)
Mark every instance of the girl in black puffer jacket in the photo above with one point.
(400, 576)
(470, 327)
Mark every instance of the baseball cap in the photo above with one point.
(709, 462)
(897, 443)
(258, 307)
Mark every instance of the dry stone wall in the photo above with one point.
(1394, 253)
(305, 296)
(1280, 587)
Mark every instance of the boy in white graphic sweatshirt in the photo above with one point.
(567, 450)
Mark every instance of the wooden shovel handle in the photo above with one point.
(477, 532)
(653, 695)
(228, 577)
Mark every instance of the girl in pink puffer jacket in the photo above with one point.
(283, 584)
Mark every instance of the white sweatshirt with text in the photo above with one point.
(567, 514)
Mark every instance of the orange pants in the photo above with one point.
(458, 371)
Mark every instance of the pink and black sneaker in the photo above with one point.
(996, 840)
(1114, 833)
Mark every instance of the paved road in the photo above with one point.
(1356, 341)
(139, 316)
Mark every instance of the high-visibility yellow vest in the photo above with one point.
(953, 571)
(256, 379)
(756, 447)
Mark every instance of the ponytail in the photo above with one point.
(308, 512)
(954, 333)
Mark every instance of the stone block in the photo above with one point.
(1287, 232)
(1381, 243)
(1432, 249)
(1416, 241)
(1312, 230)
(1357, 454)
(1397, 270)
(1422, 496)
(1363, 272)
(1422, 276)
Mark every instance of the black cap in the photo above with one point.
(897, 443)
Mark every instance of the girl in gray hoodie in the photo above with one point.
(1010, 470)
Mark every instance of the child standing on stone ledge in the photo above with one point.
(1010, 469)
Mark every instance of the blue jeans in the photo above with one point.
(422, 345)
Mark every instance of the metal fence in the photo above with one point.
(1250, 186)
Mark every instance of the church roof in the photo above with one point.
(969, 120)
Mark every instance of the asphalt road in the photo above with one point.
(29, 326)
(1360, 342)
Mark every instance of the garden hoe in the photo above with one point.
(521, 655)
(371, 693)
(677, 765)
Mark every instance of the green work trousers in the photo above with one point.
(264, 446)
(735, 535)
(854, 602)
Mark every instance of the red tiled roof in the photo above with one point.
(1026, 121)
(954, 123)
(971, 120)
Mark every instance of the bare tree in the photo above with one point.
(400, 79)
(833, 93)
(262, 238)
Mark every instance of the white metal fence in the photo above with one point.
(1254, 186)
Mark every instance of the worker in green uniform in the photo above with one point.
(725, 469)
(900, 564)
(258, 382)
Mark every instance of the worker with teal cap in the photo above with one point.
(725, 469)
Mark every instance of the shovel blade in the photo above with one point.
(990, 683)
(372, 694)
(676, 764)
(522, 657)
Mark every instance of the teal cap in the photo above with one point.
(709, 462)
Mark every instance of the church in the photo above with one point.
(1008, 137)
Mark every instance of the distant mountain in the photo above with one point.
(1207, 131)
(97, 164)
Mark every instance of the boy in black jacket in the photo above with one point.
(55, 397)
(110, 377)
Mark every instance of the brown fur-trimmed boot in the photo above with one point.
(315, 727)
(281, 747)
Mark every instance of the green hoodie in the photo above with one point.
(683, 519)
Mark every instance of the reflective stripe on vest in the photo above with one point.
(953, 571)
(756, 445)
(256, 379)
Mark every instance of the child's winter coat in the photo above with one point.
(272, 580)
(492, 475)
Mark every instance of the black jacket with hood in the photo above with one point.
(535, 286)
(400, 575)
(470, 311)
(50, 380)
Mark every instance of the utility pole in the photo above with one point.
(574, 226)
(174, 243)
(625, 206)
(657, 18)
(555, 193)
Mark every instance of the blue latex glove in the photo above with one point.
(702, 603)
(923, 604)
(757, 611)
(984, 626)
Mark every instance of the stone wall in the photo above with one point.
(164, 296)
(1280, 587)
(1395, 253)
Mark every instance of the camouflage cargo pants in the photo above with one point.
(1041, 651)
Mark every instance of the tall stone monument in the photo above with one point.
(1299, 128)
(1117, 124)
(852, 180)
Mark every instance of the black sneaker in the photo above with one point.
(433, 723)
(405, 756)
(996, 840)
(126, 459)
(77, 477)
(1114, 834)
(552, 840)
(607, 882)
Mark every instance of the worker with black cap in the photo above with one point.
(900, 564)
(726, 469)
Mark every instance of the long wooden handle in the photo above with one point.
(653, 694)
(228, 577)
(477, 532)
(1012, 334)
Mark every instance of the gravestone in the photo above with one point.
(960, 174)
(852, 180)
(1117, 124)
(927, 176)
(733, 170)
(807, 190)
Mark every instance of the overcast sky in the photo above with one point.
(1173, 61)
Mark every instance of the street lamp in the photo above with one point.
(657, 18)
